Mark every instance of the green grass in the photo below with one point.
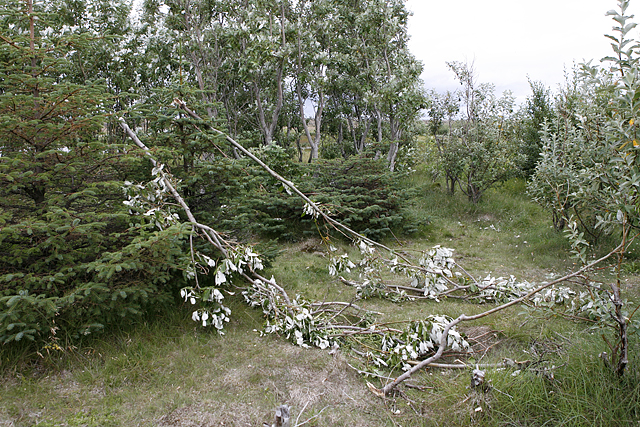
(169, 372)
(504, 233)
(582, 392)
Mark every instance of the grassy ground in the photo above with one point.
(167, 372)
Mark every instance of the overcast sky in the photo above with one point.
(509, 39)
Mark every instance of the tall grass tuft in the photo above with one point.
(581, 392)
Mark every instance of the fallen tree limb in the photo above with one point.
(384, 391)
(212, 236)
(265, 285)
(506, 363)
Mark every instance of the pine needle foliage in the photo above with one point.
(360, 192)
(71, 258)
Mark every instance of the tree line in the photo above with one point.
(264, 68)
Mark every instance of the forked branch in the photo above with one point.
(445, 333)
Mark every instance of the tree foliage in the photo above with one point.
(569, 146)
(589, 173)
(73, 256)
(70, 255)
(268, 64)
(480, 147)
(537, 111)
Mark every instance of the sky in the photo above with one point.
(508, 40)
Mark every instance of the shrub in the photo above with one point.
(359, 191)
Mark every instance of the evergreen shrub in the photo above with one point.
(72, 259)
(360, 192)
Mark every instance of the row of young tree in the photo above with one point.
(260, 68)
(478, 139)
(559, 142)
(578, 149)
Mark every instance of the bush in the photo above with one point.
(360, 192)
(70, 260)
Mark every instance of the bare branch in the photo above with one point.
(212, 236)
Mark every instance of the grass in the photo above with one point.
(505, 233)
(582, 392)
(168, 372)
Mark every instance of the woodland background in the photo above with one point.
(158, 165)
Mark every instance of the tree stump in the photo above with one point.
(477, 379)
(282, 416)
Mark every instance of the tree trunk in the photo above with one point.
(394, 126)
(393, 153)
(379, 119)
(315, 142)
(340, 139)
(268, 129)
(363, 136)
(352, 130)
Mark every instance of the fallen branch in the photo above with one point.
(310, 419)
(506, 363)
(269, 289)
(384, 391)
(212, 236)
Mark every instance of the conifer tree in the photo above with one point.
(69, 254)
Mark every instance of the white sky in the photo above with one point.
(510, 39)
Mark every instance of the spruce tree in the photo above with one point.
(71, 257)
